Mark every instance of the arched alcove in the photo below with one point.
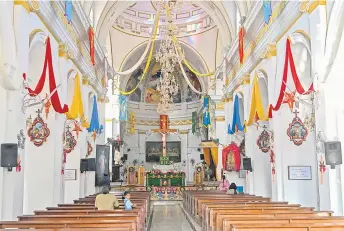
(36, 57)
(263, 88)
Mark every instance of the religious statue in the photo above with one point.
(118, 157)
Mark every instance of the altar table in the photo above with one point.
(165, 179)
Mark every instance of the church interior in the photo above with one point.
(210, 115)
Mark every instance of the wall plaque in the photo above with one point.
(299, 172)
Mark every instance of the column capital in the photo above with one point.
(270, 51)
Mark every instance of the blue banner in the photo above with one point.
(236, 118)
(206, 114)
(267, 11)
(123, 108)
(69, 10)
(94, 125)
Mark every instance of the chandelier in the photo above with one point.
(168, 59)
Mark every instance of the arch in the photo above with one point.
(301, 49)
(263, 88)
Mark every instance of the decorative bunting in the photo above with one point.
(257, 109)
(89, 149)
(267, 10)
(69, 141)
(47, 107)
(76, 129)
(91, 40)
(77, 108)
(296, 131)
(48, 63)
(236, 123)
(123, 108)
(241, 44)
(38, 131)
(206, 112)
(322, 169)
(94, 125)
(68, 10)
(132, 121)
(194, 119)
(263, 141)
(289, 61)
(289, 98)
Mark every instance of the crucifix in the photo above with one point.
(164, 130)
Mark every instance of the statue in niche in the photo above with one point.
(118, 157)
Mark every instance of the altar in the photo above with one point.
(170, 178)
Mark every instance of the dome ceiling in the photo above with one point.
(138, 19)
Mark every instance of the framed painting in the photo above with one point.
(102, 163)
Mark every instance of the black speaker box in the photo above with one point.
(9, 155)
(201, 156)
(333, 153)
(91, 164)
(246, 163)
(125, 156)
(83, 165)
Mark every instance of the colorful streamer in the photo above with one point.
(132, 121)
(77, 108)
(241, 44)
(267, 11)
(257, 109)
(91, 40)
(48, 63)
(206, 113)
(236, 123)
(94, 125)
(123, 108)
(289, 61)
(69, 10)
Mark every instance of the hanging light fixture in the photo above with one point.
(168, 59)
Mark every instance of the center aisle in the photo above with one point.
(169, 217)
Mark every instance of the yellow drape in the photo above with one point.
(206, 152)
(214, 154)
(76, 110)
(256, 104)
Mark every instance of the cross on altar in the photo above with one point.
(164, 130)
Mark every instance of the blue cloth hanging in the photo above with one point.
(236, 118)
(123, 108)
(206, 114)
(94, 125)
(69, 10)
(267, 10)
(229, 130)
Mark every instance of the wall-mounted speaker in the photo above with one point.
(9, 155)
(246, 163)
(91, 164)
(199, 149)
(83, 165)
(201, 156)
(333, 153)
(125, 156)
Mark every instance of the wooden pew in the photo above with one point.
(287, 227)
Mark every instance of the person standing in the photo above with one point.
(224, 184)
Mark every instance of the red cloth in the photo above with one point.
(236, 152)
(48, 63)
(299, 88)
(91, 40)
(241, 44)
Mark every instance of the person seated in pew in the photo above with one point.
(224, 184)
(127, 203)
(106, 201)
(232, 189)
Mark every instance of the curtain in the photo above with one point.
(91, 40)
(123, 108)
(236, 123)
(94, 125)
(206, 152)
(214, 154)
(241, 44)
(69, 10)
(267, 11)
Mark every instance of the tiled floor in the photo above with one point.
(169, 217)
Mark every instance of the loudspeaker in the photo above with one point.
(201, 156)
(333, 153)
(91, 164)
(199, 149)
(83, 165)
(9, 155)
(246, 163)
(125, 156)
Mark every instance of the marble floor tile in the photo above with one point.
(169, 218)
